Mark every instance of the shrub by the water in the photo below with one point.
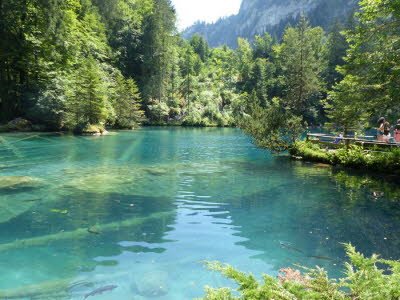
(363, 280)
(353, 156)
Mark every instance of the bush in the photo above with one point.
(125, 123)
(311, 152)
(194, 118)
(363, 280)
(159, 111)
(353, 156)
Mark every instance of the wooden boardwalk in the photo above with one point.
(334, 141)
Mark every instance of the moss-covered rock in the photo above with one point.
(18, 124)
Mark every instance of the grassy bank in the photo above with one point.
(354, 157)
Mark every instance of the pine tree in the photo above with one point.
(200, 46)
(158, 41)
(88, 102)
(188, 71)
(260, 80)
(336, 51)
(244, 60)
(301, 58)
(370, 87)
(126, 103)
(263, 46)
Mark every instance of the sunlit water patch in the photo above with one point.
(137, 212)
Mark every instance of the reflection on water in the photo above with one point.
(140, 210)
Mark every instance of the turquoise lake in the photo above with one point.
(140, 210)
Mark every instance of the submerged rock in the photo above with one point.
(152, 284)
(99, 183)
(128, 180)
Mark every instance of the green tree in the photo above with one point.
(88, 102)
(126, 103)
(259, 80)
(370, 87)
(301, 58)
(200, 46)
(263, 46)
(31, 50)
(158, 40)
(188, 71)
(336, 51)
(244, 60)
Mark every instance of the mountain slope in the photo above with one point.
(259, 16)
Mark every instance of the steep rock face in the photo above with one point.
(259, 16)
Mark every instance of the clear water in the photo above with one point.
(141, 210)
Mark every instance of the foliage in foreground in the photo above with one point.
(354, 156)
(363, 280)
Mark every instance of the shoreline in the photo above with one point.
(43, 130)
(354, 158)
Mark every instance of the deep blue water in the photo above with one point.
(142, 209)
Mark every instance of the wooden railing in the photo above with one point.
(335, 141)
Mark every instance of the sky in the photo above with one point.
(190, 11)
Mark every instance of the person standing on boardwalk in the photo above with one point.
(386, 132)
(381, 129)
(397, 131)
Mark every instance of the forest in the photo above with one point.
(79, 64)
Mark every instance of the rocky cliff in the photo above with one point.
(259, 16)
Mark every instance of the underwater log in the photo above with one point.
(40, 291)
(81, 232)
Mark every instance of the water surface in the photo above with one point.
(142, 209)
